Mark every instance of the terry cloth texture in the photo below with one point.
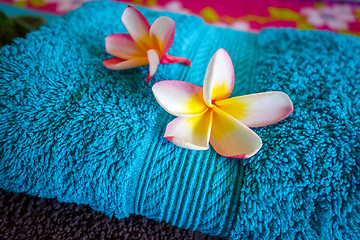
(73, 130)
(28, 217)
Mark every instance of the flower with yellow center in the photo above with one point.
(144, 45)
(207, 114)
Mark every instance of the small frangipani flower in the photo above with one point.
(144, 45)
(207, 114)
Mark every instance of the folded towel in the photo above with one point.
(73, 130)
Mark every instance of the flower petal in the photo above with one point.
(219, 78)
(168, 59)
(192, 132)
(123, 46)
(137, 26)
(122, 64)
(258, 110)
(231, 138)
(180, 98)
(162, 33)
(313, 16)
(153, 63)
(337, 24)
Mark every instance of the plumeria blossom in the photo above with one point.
(207, 114)
(144, 45)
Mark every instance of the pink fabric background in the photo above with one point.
(246, 15)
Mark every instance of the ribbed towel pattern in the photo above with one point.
(73, 130)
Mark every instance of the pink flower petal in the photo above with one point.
(347, 18)
(153, 63)
(162, 33)
(168, 59)
(308, 11)
(219, 78)
(180, 98)
(313, 16)
(137, 26)
(123, 46)
(122, 64)
(337, 24)
(192, 133)
(257, 110)
(231, 138)
(342, 9)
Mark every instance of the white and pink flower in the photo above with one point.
(207, 114)
(144, 45)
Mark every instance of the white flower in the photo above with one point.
(336, 17)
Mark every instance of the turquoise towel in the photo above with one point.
(73, 130)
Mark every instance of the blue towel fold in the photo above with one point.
(73, 130)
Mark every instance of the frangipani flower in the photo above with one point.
(144, 45)
(208, 114)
